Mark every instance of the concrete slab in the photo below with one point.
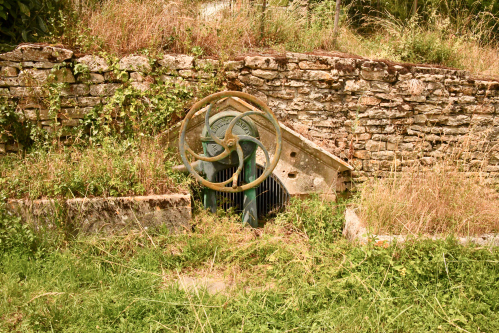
(355, 230)
(110, 215)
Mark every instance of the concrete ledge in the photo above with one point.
(107, 215)
(356, 231)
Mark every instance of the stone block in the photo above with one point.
(136, 77)
(466, 99)
(110, 215)
(207, 64)
(375, 145)
(428, 109)
(369, 100)
(373, 75)
(4, 92)
(380, 86)
(116, 77)
(480, 108)
(33, 77)
(15, 55)
(283, 94)
(8, 71)
(36, 114)
(251, 80)
(314, 65)
(257, 62)
(80, 89)
(94, 63)
(63, 75)
(70, 122)
(35, 52)
(233, 65)
(362, 154)
(318, 76)
(88, 101)
(26, 91)
(38, 64)
(135, 63)
(69, 101)
(142, 86)
(356, 85)
(458, 120)
(187, 73)
(482, 120)
(178, 61)
(74, 113)
(105, 89)
(9, 81)
(267, 75)
(383, 155)
(96, 78)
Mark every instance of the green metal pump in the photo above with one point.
(230, 139)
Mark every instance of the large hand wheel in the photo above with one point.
(230, 142)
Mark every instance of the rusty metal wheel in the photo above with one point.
(230, 142)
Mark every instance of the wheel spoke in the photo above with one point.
(225, 153)
(257, 142)
(235, 176)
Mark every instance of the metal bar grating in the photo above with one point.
(271, 195)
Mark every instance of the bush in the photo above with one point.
(27, 20)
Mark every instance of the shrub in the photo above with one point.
(27, 21)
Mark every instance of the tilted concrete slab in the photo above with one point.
(303, 168)
(111, 215)
(356, 231)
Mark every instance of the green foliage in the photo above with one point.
(462, 14)
(26, 20)
(15, 235)
(14, 127)
(132, 112)
(321, 220)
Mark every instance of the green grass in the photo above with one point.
(287, 277)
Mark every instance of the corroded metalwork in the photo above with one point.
(229, 143)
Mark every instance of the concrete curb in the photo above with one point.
(356, 231)
(107, 215)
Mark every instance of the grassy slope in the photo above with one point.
(152, 26)
(293, 275)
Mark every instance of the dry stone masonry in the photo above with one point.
(378, 116)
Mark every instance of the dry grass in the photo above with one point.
(480, 59)
(110, 169)
(124, 27)
(178, 26)
(449, 197)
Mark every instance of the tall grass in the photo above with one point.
(449, 196)
(179, 26)
(112, 168)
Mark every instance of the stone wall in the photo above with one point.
(378, 116)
